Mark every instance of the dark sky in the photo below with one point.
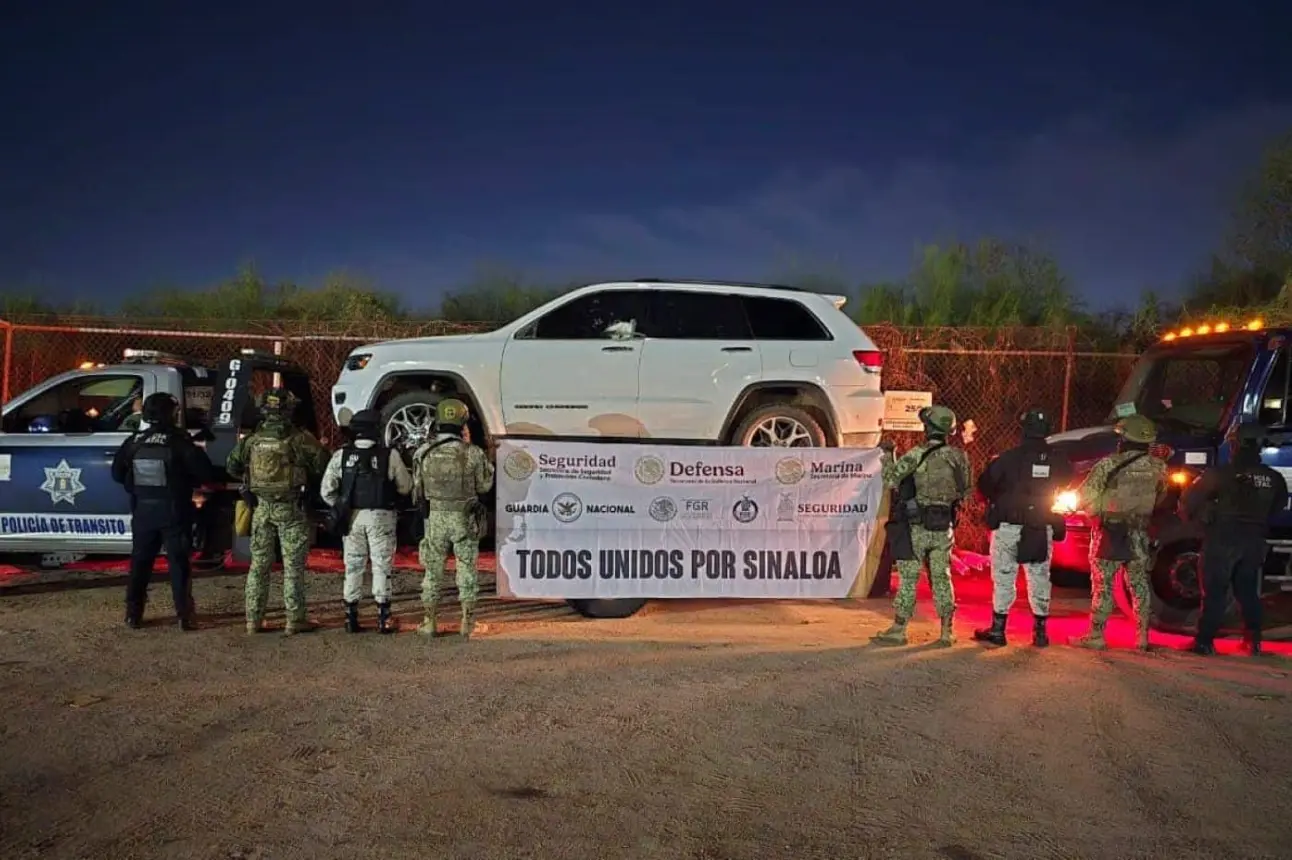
(144, 145)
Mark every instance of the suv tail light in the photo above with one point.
(871, 360)
(1161, 451)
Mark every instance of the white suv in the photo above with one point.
(648, 361)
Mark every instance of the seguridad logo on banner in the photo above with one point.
(579, 520)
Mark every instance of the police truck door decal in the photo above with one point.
(62, 483)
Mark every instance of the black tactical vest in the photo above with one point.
(1028, 490)
(152, 468)
(369, 471)
(1246, 496)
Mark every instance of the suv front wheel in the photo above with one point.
(779, 426)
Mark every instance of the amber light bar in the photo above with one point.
(1207, 328)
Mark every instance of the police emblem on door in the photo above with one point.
(62, 483)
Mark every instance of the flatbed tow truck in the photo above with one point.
(1198, 383)
(58, 502)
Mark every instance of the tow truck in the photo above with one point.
(58, 501)
(1198, 383)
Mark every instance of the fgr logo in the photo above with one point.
(697, 509)
(567, 507)
(649, 469)
(663, 509)
(745, 510)
(519, 465)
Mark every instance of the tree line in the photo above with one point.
(990, 283)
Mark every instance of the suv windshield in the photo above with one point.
(1190, 387)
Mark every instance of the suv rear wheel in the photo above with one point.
(779, 425)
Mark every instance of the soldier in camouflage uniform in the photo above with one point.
(278, 462)
(449, 475)
(362, 485)
(1121, 492)
(942, 480)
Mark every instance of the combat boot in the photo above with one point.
(1040, 638)
(948, 636)
(1252, 643)
(134, 616)
(352, 616)
(894, 635)
(255, 626)
(304, 625)
(1094, 640)
(1202, 647)
(428, 627)
(468, 621)
(385, 624)
(995, 634)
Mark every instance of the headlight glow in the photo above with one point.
(1066, 502)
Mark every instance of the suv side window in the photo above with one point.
(98, 403)
(695, 315)
(609, 314)
(783, 319)
(1274, 400)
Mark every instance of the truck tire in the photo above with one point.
(784, 418)
(1175, 591)
(607, 609)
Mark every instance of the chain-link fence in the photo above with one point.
(990, 376)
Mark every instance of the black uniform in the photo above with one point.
(160, 468)
(1019, 487)
(1234, 503)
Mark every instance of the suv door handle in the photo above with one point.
(616, 349)
(736, 349)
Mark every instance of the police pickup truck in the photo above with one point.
(1197, 384)
(58, 501)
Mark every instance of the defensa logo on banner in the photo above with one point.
(672, 521)
(652, 469)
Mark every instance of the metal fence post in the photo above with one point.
(6, 368)
(1069, 364)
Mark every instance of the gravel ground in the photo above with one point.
(700, 730)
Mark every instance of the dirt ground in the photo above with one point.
(700, 730)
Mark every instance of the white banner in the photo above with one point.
(586, 520)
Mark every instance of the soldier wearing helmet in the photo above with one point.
(278, 463)
(1019, 487)
(1234, 504)
(1121, 492)
(931, 479)
(161, 467)
(362, 485)
(449, 476)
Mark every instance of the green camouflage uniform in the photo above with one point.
(279, 462)
(944, 478)
(1130, 497)
(449, 475)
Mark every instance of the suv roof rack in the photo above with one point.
(704, 282)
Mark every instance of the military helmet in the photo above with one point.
(938, 419)
(1137, 428)
(159, 408)
(365, 423)
(1036, 423)
(451, 412)
(277, 401)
